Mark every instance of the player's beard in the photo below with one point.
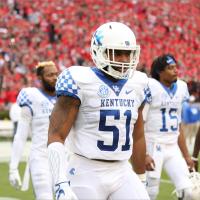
(47, 86)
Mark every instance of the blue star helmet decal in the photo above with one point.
(98, 37)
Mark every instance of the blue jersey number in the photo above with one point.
(114, 130)
(173, 116)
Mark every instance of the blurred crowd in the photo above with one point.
(60, 30)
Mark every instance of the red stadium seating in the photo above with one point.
(36, 30)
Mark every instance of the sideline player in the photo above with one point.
(163, 132)
(36, 106)
(103, 106)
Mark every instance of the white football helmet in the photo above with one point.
(110, 37)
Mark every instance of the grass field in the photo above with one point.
(7, 191)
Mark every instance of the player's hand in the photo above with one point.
(14, 178)
(190, 163)
(149, 163)
(64, 192)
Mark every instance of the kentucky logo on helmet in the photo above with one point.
(170, 60)
(98, 37)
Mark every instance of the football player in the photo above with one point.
(102, 105)
(166, 145)
(36, 106)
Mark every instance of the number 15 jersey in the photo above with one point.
(104, 125)
(164, 112)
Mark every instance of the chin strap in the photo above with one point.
(114, 72)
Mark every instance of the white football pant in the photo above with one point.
(167, 156)
(100, 180)
(41, 179)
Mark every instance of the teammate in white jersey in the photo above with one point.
(163, 132)
(36, 106)
(102, 106)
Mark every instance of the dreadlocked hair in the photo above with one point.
(159, 65)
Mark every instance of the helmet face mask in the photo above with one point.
(110, 40)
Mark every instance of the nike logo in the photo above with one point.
(129, 91)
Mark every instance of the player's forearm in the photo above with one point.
(138, 156)
(53, 137)
(182, 144)
(57, 131)
(139, 145)
(62, 119)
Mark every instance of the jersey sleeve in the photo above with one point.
(147, 95)
(66, 85)
(24, 99)
(186, 94)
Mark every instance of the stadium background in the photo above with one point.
(60, 30)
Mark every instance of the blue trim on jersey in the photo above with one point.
(65, 93)
(49, 97)
(172, 90)
(115, 86)
(26, 105)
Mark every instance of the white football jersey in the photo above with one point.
(104, 125)
(40, 105)
(164, 112)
